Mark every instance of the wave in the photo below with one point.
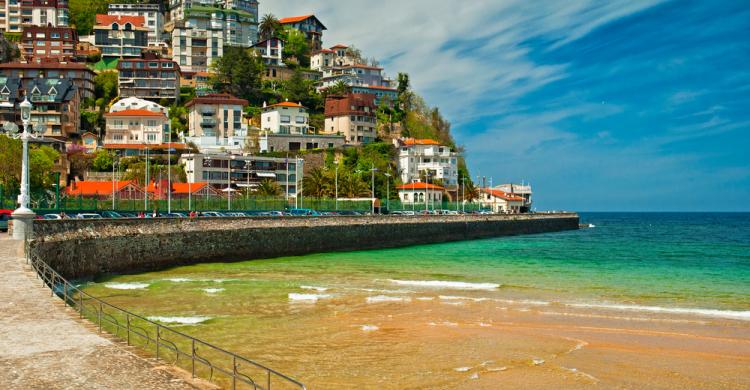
(523, 302)
(320, 289)
(728, 314)
(212, 290)
(307, 297)
(446, 284)
(180, 320)
(179, 280)
(457, 298)
(126, 286)
(386, 298)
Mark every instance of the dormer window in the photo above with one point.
(115, 26)
(36, 91)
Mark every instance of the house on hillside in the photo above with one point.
(285, 118)
(270, 51)
(419, 192)
(418, 158)
(311, 26)
(136, 126)
(120, 36)
(353, 116)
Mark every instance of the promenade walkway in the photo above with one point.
(43, 344)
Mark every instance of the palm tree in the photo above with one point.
(316, 184)
(470, 192)
(268, 187)
(269, 26)
(352, 186)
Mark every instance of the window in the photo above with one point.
(151, 123)
(151, 137)
(55, 35)
(285, 119)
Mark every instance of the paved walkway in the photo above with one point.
(43, 344)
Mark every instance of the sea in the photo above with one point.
(408, 317)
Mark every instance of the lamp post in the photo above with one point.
(336, 193)
(388, 190)
(23, 217)
(372, 170)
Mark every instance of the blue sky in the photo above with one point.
(617, 105)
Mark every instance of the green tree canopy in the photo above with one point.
(238, 73)
(103, 160)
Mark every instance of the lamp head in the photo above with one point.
(25, 109)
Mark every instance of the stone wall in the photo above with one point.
(87, 248)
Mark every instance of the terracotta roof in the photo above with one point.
(412, 141)
(171, 145)
(342, 105)
(45, 65)
(136, 112)
(184, 188)
(324, 51)
(339, 46)
(217, 98)
(420, 186)
(374, 87)
(98, 187)
(286, 104)
(294, 19)
(105, 20)
(502, 195)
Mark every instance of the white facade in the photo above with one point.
(136, 127)
(424, 193)
(154, 18)
(499, 201)
(271, 51)
(521, 190)
(285, 118)
(329, 58)
(13, 16)
(417, 158)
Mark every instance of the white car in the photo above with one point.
(51, 216)
(88, 216)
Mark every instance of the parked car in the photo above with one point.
(88, 216)
(273, 214)
(174, 215)
(111, 214)
(235, 214)
(52, 216)
(4, 218)
(212, 214)
(129, 215)
(304, 212)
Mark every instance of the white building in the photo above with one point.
(419, 158)
(152, 14)
(328, 58)
(134, 103)
(500, 201)
(270, 51)
(136, 127)
(425, 193)
(285, 118)
(522, 190)
(215, 123)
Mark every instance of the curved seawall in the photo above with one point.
(87, 248)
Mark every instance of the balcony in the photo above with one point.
(208, 122)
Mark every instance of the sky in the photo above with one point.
(621, 105)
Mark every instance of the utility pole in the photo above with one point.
(145, 188)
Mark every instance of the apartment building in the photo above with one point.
(55, 112)
(285, 118)
(152, 13)
(336, 56)
(419, 159)
(215, 116)
(310, 26)
(177, 8)
(149, 78)
(79, 74)
(120, 36)
(270, 51)
(15, 14)
(57, 43)
(200, 38)
(136, 127)
(353, 116)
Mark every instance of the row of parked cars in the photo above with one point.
(122, 214)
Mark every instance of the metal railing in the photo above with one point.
(199, 357)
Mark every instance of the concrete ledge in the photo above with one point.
(87, 248)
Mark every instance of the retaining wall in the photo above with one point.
(87, 248)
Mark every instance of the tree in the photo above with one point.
(268, 187)
(355, 54)
(269, 27)
(299, 89)
(83, 14)
(105, 88)
(178, 119)
(316, 184)
(296, 47)
(41, 162)
(338, 89)
(238, 73)
(10, 163)
(103, 161)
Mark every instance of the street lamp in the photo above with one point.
(23, 217)
(336, 194)
(388, 190)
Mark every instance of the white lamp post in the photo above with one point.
(23, 217)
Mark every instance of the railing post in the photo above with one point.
(157, 341)
(99, 314)
(127, 317)
(80, 302)
(234, 372)
(193, 359)
(52, 285)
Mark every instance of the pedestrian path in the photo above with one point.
(43, 344)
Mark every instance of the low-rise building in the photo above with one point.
(521, 190)
(270, 51)
(134, 103)
(233, 171)
(354, 75)
(136, 126)
(90, 142)
(500, 201)
(270, 142)
(215, 123)
(285, 118)
(43, 13)
(326, 59)
(122, 189)
(385, 95)
(422, 158)
(79, 74)
(55, 111)
(415, 193)
(149, 78)
(353, 116)
(120, 36)
(58, 43)
(310, 26)
(152, 13)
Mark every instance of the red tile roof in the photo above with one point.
(136, 112)
(286, 104)
(184, 188)
(294, 19)
(342, 105)
(171, 145)
(46, 64)
(375, 87)
(420, 186)
(339, 46)
(412, 141)
(84, 188)
(502, 195)
(106, 20)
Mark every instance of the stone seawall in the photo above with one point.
(87, 248)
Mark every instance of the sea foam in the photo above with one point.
(179, 280)
(180, 320)
(126, 286)
(728, 314)
(320, 289)
(386, 298)
(213, 290)
(307, 297)
(369, 328)
(446, 284)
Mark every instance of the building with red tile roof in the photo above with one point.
(121, 36)
(420, 157)
(500, 201)
(353, 116)
(310, 25)
(420, 192)
(124, 189)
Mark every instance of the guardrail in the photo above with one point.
(199, 357)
